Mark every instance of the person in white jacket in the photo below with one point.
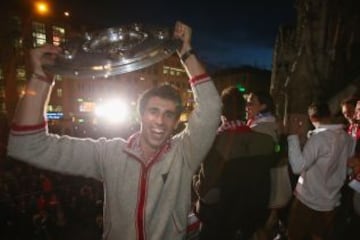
(147, 178)
(322, 166)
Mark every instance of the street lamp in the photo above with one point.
(42, 7)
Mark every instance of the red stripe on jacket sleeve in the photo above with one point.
(199, 79)
(27, 128)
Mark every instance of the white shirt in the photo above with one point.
(321, 165)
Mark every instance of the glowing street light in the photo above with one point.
(42, 7)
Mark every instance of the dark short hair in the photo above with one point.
(165, 91)
(352, 100)
(319, 110)
(266, 99)
(233, 103)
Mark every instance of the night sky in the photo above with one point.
(225, 33)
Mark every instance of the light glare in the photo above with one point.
(113, 111)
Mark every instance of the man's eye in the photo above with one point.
(152, 111)
(170, 115)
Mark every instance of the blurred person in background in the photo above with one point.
(322, 166)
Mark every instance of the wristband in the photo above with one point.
(43, 78)
(187, 54)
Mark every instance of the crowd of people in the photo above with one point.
(36, 204)
(233, 190)
(233, 167)
(237, 195)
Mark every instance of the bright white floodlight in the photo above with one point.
(113, 111)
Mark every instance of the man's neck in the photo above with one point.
(148, 154)
(147, 151)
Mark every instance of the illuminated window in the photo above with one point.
(20, 73)
(16, 24)
(58, 108)
(52, 108)
(57, 77)
(58, 35)
(59, 92)
(18, 43)
(173, 71)
(39, 34)
(165, 70)
(87, 107)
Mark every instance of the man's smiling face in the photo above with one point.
(158, 122)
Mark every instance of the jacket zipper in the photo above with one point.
(141, 204)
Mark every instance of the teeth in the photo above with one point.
(158, 130)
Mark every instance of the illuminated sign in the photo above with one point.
(54, 115)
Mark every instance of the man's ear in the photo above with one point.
(314, 121)
(177, 124)
(262, 107)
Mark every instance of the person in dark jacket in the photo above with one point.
(233, 184)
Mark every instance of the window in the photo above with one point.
(20, 73)
(18, 43)
(58, 77)
(52, 108)
(59, 92)
(58, 35)
(165, 70)
(87, 107)
(58, 108)
(173, 71)
(39, 34)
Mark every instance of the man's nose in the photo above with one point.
(159, 119)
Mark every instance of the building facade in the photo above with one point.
(245, 78)
(21, 29)
(317, 59)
